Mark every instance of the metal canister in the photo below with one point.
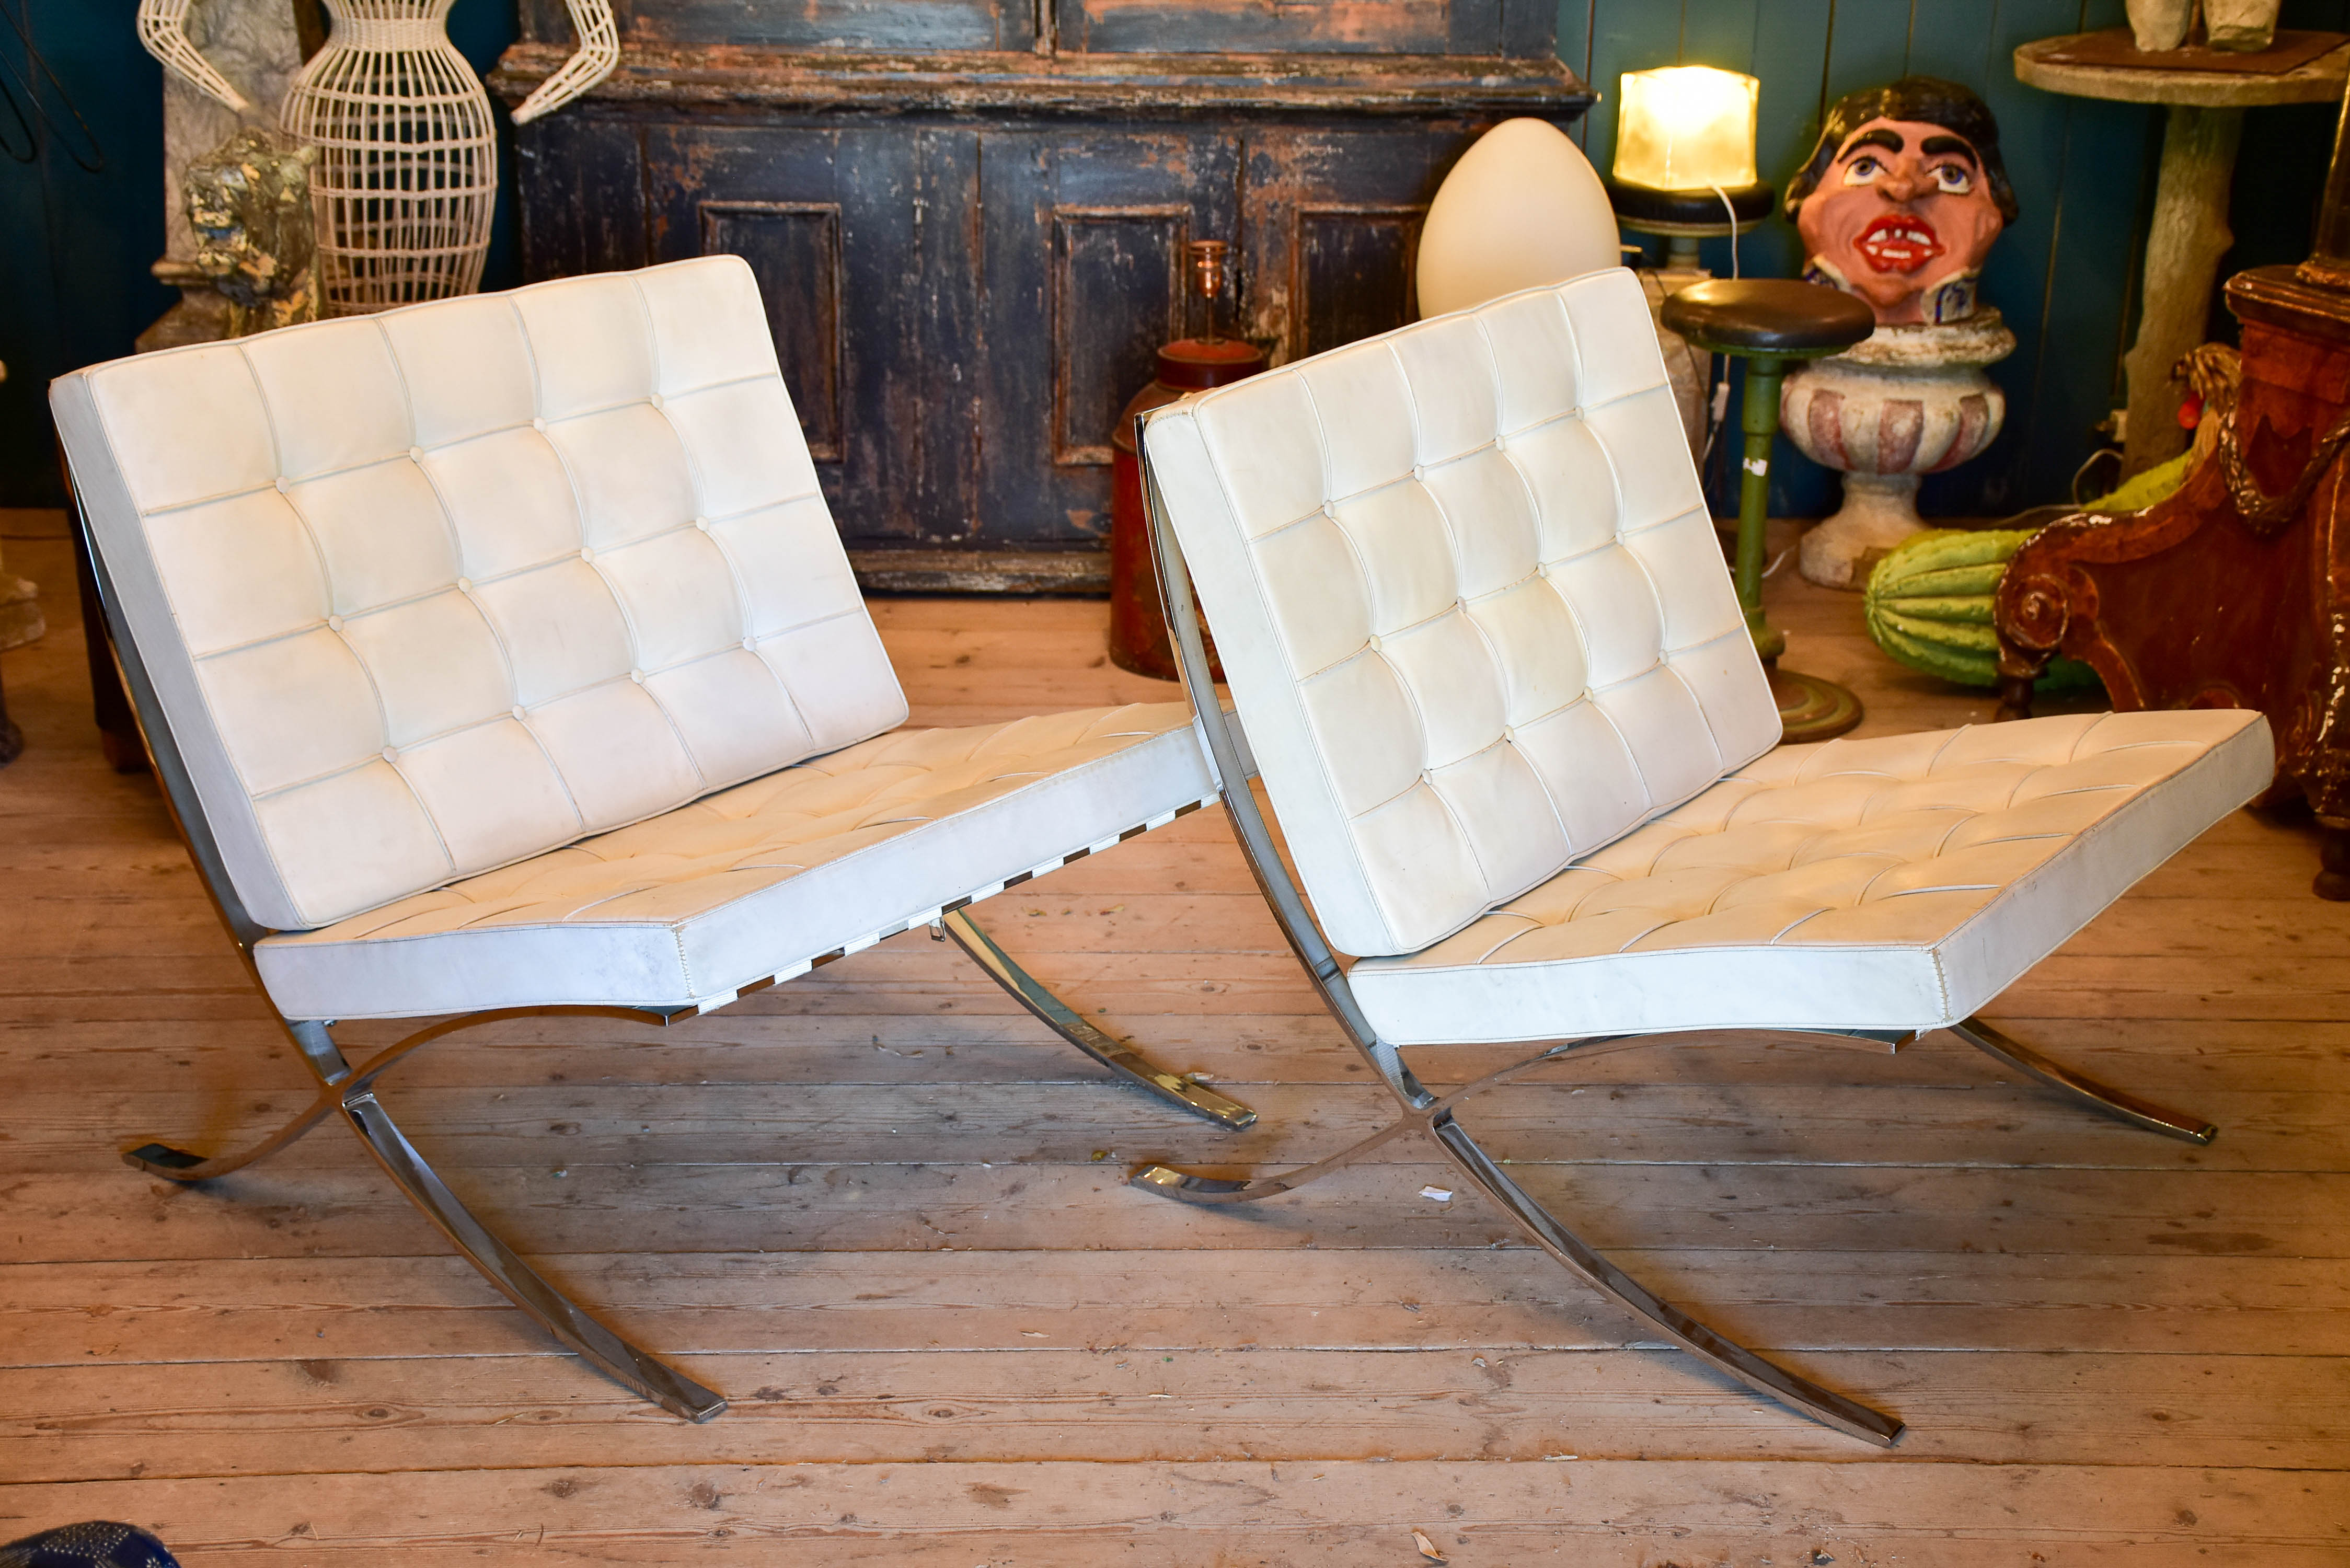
(1138, 625)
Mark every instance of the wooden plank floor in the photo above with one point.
(883, 1211)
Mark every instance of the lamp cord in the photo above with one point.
(1720, 403)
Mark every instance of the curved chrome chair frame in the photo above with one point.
(352, 1091)
(1433, 1117)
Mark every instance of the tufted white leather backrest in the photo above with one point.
(427, 592)
(1471, 603)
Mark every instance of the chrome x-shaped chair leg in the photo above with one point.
(1434, 1117)
(1184, 1093)
(351, 1093)
(561, 1317)
(2100, 1098)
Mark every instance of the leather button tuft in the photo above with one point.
(334, 623)
(464, 585)
(539, 425)
(282, 486)
(519, 714)
(702, 524)
(1376, 643)
(655, 399)
(637, 676)
(586, 553)
(391, 754)
(416, 454)
(750, 645)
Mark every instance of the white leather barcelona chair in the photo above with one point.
(1485, 654)
(499, 655)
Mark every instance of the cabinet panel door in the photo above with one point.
(582, 196)
(1084, 233)
(794, 249)
(863, 241)
(1332, 220)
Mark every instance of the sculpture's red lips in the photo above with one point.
(1899, 242)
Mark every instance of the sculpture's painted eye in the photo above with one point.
(1864, 170)
(1953, 179)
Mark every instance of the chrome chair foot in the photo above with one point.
(352, 1092)
(2100, 1098)
(1423, 1107)
(336, 1078)
(1798, 1394)
(179, 1165)
(1435, 1118)
(1063, 1020)
(1185, 1186)
(591, 1341)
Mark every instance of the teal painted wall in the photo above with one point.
(75, 243)
(2065, 273)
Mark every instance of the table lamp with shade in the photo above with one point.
(1684, 157)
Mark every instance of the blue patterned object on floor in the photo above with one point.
(94, 1545)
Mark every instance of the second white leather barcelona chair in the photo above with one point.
(1486, 656)
(498, 655)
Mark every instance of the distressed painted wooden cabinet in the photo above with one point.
(969, 215)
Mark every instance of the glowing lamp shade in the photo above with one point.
(1685, 127)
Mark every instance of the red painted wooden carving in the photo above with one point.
(2235, 591)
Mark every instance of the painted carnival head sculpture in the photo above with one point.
(1901, 199)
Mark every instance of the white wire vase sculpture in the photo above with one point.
(407, 178)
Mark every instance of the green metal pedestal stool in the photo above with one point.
(1769, 322)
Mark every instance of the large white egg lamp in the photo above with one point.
(1684, 157)
(1523, 207)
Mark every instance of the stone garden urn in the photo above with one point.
(1905, 403)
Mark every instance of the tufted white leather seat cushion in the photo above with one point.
(431, 591)
(753, 882)
(1897, 883)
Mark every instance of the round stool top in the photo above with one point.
(1768, 316)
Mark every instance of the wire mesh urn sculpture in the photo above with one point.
(406, 181)
(407, 177)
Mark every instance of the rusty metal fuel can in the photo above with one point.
(1138, 626)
